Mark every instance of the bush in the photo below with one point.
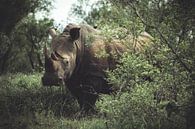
(133, 70)
(136, 105)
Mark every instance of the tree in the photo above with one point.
(29, 37)
(12, 11)
(11, 16)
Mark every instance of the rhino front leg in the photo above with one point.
(87, 99)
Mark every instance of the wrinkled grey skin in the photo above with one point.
(60, 65)
(76, 62)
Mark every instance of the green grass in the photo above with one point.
(26, 104)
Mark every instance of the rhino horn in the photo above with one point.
(52, 32)
(46, 52)
(48, 60)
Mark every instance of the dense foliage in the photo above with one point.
(23, 49)
(12, 11)
(156, 84)
(22, 36)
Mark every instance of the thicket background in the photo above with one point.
(157, 88)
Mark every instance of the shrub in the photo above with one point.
(136, 106)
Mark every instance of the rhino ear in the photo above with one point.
(52, 32)
(75, 33)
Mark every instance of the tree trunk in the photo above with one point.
(4, 60)
(39, 60)
(31, 60)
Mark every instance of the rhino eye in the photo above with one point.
(58, 55)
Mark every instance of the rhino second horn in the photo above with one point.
(52, 32)
(46, 52)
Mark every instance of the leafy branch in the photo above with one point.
(162, 37)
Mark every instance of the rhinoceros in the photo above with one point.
(79, 58)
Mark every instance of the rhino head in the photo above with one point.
(61, 62)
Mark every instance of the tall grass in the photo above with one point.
(26, 104)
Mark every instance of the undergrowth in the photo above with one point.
(26, 104)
